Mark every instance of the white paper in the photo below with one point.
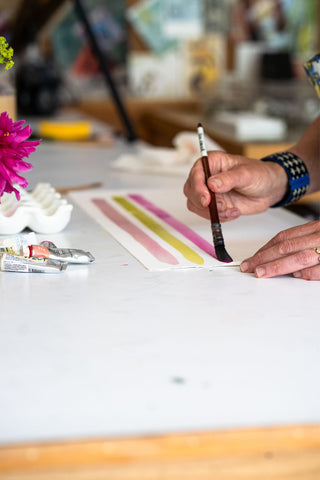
(176, 251)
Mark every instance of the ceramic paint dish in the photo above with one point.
(42, 210)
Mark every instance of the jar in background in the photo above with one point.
(8, 99)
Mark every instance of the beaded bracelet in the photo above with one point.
(298, 176)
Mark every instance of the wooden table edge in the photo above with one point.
(174, 447)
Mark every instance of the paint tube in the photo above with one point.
(16, 241)
(8, 250)
(49, 250)
(16, 263)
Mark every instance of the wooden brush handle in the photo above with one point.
(214, 216)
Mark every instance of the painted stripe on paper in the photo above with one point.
(174, 223)
(156, 228)
(139, 236)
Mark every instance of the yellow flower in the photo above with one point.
(6, 53)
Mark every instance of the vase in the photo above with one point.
(8, 99)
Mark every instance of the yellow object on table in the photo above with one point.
(65, 130)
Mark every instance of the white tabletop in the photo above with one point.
(113, 349)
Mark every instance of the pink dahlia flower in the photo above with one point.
(13, 148)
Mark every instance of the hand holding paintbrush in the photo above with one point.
(218, 241)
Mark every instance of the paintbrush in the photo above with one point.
(216, 229)
(87, 186)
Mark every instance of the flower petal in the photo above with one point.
(22, 135)
(2, 185)
(16, 164)
(10, 188)
(14, 146)
(11, 177)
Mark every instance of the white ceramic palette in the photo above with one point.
(42, 210)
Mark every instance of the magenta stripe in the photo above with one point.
(176, 224)
(147, 242)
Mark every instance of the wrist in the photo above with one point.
(296, 183)
(279, 182)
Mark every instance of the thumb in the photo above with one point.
(223, 182)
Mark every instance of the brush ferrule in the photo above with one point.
(217, 234)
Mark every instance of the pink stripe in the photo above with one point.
(176, 224)
(147, 242)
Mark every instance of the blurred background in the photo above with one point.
(172, 61)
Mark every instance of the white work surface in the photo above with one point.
(112, 349)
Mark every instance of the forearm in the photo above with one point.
(308, 149)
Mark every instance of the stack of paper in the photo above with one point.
(250, 126)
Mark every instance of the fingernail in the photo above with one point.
(244, 266)
(297, 274)
(215, 183)
(203, 201)
(260, 272)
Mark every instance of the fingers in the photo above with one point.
(195, 188)
(199, 197)
(225, 213)
(196, 191)
(201, 211)
(291, 251)
(198, 194)
(312, 273)
(242, 186)
(293, 233)
(282, 266)
(225, 181)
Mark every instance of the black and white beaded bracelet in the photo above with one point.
(298, 176)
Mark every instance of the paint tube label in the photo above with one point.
(16, 263)
(46, 250)
(7, 250)
(17, 241)
(38, 251)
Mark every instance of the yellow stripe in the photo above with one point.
(155, 227)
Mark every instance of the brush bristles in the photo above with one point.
(222, 254)
(218, 242)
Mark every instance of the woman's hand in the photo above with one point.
(242, 185)
(290, 251)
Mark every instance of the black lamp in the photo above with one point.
(30, 18)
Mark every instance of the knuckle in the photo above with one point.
(190, 206)
(187, 189)
(304, 257)
(317, 224)
(285, 247)
(281, 237)
(275, 268)
(258, 258)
